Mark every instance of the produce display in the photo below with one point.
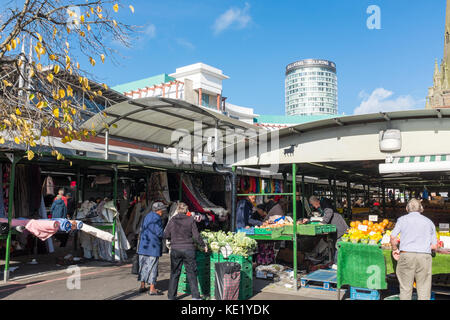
(276, 222)
(368, 232)
(239, 243)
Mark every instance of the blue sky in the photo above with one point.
(253, 41)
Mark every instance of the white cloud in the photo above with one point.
(239, 18)
(185, 43)
(382, 100)
(150, 31)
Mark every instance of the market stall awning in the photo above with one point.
(417, 164)
(163, 121)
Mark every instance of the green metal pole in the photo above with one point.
(294, 206)
(180, 188)
(302, 196)
(12, 178)
(349, 201)
(113, 251)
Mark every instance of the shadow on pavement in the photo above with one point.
(10, 289)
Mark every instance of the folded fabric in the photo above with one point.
(43, 229)
(103, 235)
(15, 222)
(76, 225)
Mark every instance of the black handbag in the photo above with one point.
(135, 264)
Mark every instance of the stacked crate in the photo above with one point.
(203, 270)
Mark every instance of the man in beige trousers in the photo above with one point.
(417, 239)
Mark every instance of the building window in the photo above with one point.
(205, 100)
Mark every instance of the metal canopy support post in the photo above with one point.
(14, 159)
(334, 193)
(294, 206)
(233, 199)
(303, 197)
(180, 188)
(113, 250)
(349, 201)
(383, 194)
(106, 144)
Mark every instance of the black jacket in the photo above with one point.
(182, 232)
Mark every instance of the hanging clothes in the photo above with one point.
(49, 186)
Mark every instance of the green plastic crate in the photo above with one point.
(246, 283)
(263, 231)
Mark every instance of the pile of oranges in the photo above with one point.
(366, 231)
(371, 227)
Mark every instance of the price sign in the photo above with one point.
(373, 218)
(444, 226)
(362, 227)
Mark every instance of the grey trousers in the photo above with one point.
(414, 266)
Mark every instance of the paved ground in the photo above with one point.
(107, 281)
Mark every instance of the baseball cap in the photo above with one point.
(158, 206)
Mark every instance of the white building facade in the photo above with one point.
(198, 83)
(311, 88)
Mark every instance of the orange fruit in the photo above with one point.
(358, 223)
(370, 223)
(365, 222)
(385, 221)
(353, 224)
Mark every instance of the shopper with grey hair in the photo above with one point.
(149, 248)
(418, 238)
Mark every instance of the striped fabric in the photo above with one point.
(419, 159)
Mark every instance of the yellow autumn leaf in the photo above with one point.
(13, 44)
(88, 27)
(115, 23)
(116, 7)
(62, 93)
(18, 112)
(39, 37)
(17, 140)
(59, 156)
(50, 78)
(56, 112)
(2, 140)
(82, 18)
(8, 47)
(92, 61)
(6, 83)
(56, 69)
(30, 155)
(102, 56)
(131, 8)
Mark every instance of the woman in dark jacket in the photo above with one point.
(149, 249)
(182, 232)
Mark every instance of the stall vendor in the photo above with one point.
(244, 211)
(330, 217)
(260, 213)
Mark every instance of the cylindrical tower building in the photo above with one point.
(311, 88)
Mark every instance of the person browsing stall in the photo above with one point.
(149, 249)
(182, 232)
(417, 240)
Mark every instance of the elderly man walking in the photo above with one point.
(417, 239)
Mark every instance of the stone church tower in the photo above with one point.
(439, 94)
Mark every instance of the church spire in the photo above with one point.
(447, 35)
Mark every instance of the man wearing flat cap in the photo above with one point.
(149, 248)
